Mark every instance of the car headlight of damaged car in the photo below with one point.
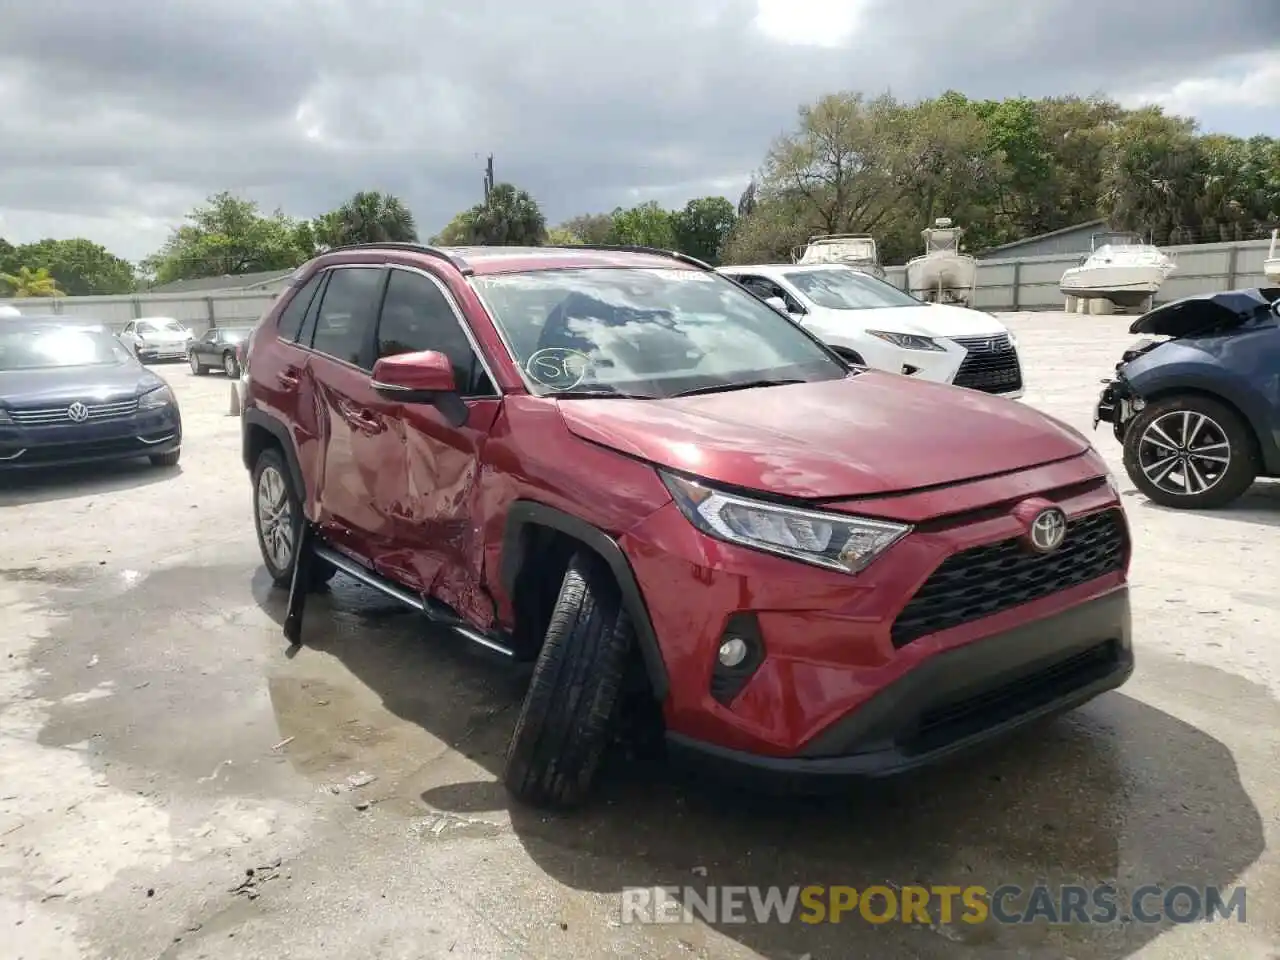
(155, 399)
(907, 341)
(831, 540)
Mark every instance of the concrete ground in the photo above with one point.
(174, 785)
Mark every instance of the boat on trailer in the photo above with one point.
(1121, 268)
(857, 250)
(943, 274)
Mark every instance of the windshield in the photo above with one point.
(846, 289)
(155, 326)
(234, 334)
(646, 332)
(39, 348)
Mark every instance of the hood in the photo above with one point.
(164, 336)
(926, 320)
(866, 435)
(32, 388)
(1208, 312)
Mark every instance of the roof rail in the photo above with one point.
(629, 248)
(457, 262)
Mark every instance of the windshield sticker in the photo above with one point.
(558, 368)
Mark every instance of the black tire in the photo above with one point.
(569, 712)
(167, 459)
(230, 365)
(198, 368)
(282, 574)
(1222, 426)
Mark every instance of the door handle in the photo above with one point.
(288, 377)
(364, 420)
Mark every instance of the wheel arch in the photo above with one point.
(528, 520)
(1170, 391)
(261, 430)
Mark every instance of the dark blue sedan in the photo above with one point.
(73, 393)
(1197, 405)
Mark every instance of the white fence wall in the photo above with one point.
(1031, 283)
(200, 311)
(1025, 283)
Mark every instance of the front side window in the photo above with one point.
(417, 316)
(346, 314)
(843, 288)
(646, 332)
(41, 349)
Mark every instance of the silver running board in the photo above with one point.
(359, 572)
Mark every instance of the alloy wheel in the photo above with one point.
(275, 518)
(229, 365)
(195, 364)
(1184, 453)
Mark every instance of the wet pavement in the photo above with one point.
(176, 782)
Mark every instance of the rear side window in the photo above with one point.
(417, 316)
(291, 316)
(347, 313)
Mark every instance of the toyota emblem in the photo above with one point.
(1048, 530)
(78, 412)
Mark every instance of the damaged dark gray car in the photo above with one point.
(1196, 403)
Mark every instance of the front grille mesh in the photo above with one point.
(986, 580)
(991, 364)
(48, 416)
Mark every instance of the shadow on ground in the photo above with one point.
(1260, 504)
(81, 480)
(1117, 792)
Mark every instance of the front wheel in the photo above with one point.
(277, 518)
(568, 714)
(1190, 452)
(230, 366)
(198, 368)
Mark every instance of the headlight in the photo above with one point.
(907, 341)
(4, 416)
(831, 540)
(155, 399)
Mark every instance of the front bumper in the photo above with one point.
(953, 702)
(163, 351)
(147, 434)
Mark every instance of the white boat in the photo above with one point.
(1271, 265)
(1121, 269)
(857, 250)
(943, 274)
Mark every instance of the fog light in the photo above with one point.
(733, 651)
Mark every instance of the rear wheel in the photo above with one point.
(277, 518)
(569, 713)
(1191, 452)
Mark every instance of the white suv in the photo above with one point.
(873, 323)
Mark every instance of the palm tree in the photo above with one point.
(369, 217)
(30, 283)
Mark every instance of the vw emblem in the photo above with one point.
(1048, 530)
(78, 412)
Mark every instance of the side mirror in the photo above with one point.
(778, 304)
(424, 377)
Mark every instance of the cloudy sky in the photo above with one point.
(117, 116)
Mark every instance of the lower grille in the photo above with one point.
(95, 412)
(991, 365)
(986, 580)
(954, 721)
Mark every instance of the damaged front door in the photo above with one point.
(435, 505)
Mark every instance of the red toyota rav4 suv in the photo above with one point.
(620, 466)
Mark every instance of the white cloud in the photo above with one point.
(816, 23)
(1254, 84)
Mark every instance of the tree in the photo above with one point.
(368, 217)
(591, 228)
(30, 282)
(1150, 181)
(563, 237)
(703, 226)
(509, 217)
(80, 267)
(646, 225)
(227, 236)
